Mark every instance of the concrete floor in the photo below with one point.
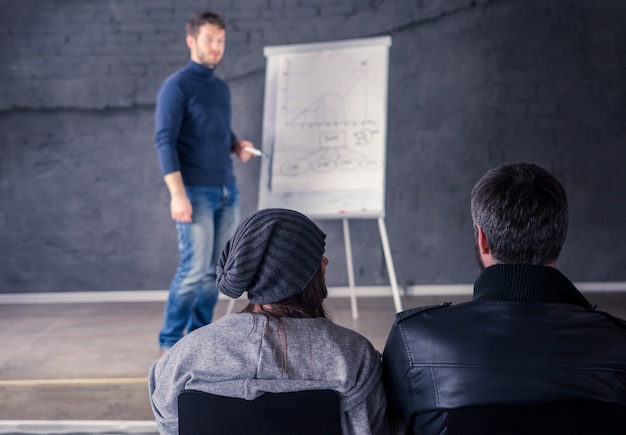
(87, 363)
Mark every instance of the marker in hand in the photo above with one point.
(255, 152)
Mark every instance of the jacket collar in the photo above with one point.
(527, 283)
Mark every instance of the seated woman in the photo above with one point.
(282, 340)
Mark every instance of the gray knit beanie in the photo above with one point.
(273, 254)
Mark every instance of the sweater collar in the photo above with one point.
(527, 283)
(201, 70)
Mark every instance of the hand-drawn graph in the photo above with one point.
(341, 97)
(330, 120)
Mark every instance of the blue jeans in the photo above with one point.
(193, 293)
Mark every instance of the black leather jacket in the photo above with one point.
(528, 336)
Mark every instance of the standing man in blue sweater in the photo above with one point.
(194, 141)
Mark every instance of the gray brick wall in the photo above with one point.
(472, 84)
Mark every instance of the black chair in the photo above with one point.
(296, 413)
(551, 418)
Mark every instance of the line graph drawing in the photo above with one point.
(335, 96)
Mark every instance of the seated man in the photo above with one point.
(528, 335)
(283, 340)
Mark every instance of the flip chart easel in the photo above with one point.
(324, 136)
(388, 260)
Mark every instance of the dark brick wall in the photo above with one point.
(472, 84)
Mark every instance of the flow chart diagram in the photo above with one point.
(333, 153)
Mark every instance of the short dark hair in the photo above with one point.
(202, 18)
(522, 210)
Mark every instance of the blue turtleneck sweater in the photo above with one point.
(192, 125)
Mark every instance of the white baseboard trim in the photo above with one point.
(459, 289)
(83, 297)
(58, 427)
(361, 291)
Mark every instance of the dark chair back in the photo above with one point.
(297, 413)
(552, 418)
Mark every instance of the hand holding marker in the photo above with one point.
(256, 152)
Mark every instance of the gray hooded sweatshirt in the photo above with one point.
(232, 357)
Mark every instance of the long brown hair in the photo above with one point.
(309, 303)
